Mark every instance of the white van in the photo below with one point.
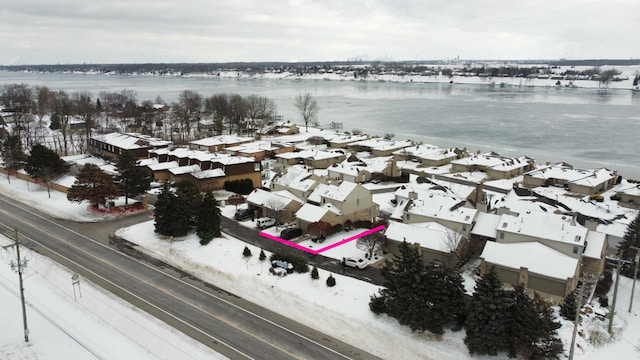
(265, 222)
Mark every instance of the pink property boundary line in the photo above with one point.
(329, 247)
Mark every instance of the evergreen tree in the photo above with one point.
(132, 180)
(164, 210)
(569, 306)
(44, 164)
(631, 238)
(331, 281)
(314, 273)
(547, 344)
(246, 252)
(487, 320)
(12, 154)
(262, 256)
(94, 185)
(186, 204)
(445, 296)
(208, 219)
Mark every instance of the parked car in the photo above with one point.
(265, 222)
(290, 233)
(283, 264)
(242, 214)
(355, 262)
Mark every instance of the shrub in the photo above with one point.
(242, 186)
(377, 305)
(246, 252)
(299, 263)
(262, 256)
(314, 273)
(337, 228)
(331, 281)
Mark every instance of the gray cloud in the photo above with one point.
(75, 31)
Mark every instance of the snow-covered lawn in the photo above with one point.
(341, 311)
(92, 325)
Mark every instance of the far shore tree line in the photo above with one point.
(65, 122)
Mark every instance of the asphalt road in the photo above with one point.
(222, 321)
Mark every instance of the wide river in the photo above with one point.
(584, 127)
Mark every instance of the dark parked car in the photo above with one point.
(290, 233)
(242, 214)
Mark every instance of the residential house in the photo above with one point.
(317, 159)
(629, 194)
(110, 145)
(347, 202)
(494, 165)
(363, 170)
(428, 155)
(218, 143)
(536, 266)
(342, 141)
(433, 241)
(588, 182)
(298, 181)
(233, 167)
(260, 150)
(378, 146)
(280, 205)
(441, 207)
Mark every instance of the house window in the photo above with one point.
(575, 249)
(357, 202)
(256, 167)
(408, 216)
(464, 227)
(501, 235)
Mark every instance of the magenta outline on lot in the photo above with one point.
(328, 247)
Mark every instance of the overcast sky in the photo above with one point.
(134, 31)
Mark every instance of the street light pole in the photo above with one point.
(615, 294)
(635, 275)
(18, 267)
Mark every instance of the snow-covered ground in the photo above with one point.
(341, 311)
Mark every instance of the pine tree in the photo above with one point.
(331, 281)
(445, 296)
(164, 210)
(246, 252)
(44, 164)
(94, 185)
(132, 180)
(208, 219)
(262, 256)
(547, 344)
(314, 273)
(186, 204)
(12, 154)
(631, 239)
(487, 318)
(569, 306)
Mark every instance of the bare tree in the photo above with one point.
(456, 245)
(371, 243)
(61, 105)
(260, 108)
(18, 99)
(276, 210)
(86, 109)
(218, 107)
(308, 108)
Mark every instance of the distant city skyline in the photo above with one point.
(141, 31)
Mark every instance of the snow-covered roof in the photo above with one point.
(295, 178)
(311, 213)
(372, 165)
(546, 226)
(382, 144)
(130, 141)
(181, 170)
(536, 257)
(338, 193)
(486, 225)
(594, 245)
(427, 152)
(163, 166)
(224, 159)
(347, 139)
(570, 174)
(269, 199)
(429, 235)
(438, 205)
(310, 154)
(221, 140)
(494, 161)
(208, 174)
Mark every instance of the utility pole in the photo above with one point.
(615, 294)
(585, 281)
(635, 275)
(18, 267)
